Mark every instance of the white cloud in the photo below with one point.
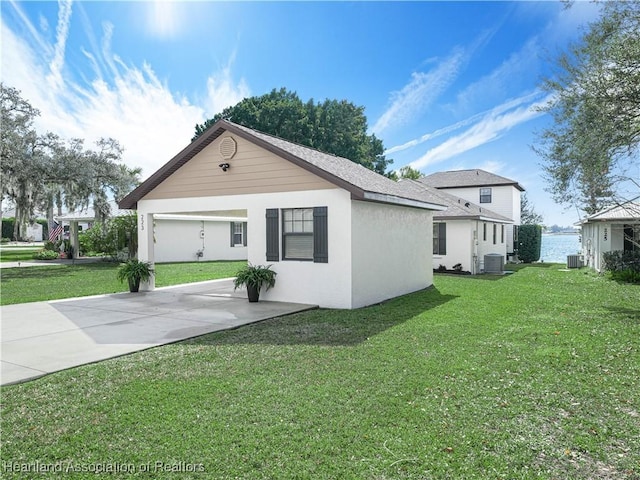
(463, 123)
(127, 102)
(424, 88)
(419, 93)
(62, 31)
(498, 83)
(222, 92)
(491, 127)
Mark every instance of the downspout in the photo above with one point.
(474, 250)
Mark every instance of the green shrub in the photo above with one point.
(623, 266)
(619, 260)
(7, 227)
(45, 255)
(627, 276)
(48, 245)
(529, 243)
(112, 237)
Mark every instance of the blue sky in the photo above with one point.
(445, 85)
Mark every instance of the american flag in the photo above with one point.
(55, 229)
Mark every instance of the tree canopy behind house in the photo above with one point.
(591, 148)
(337, 127)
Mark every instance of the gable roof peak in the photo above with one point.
(361, 182)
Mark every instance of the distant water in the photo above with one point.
(555, 248)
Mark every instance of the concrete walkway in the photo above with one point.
(45, 337)
(44, 263)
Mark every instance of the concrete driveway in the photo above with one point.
(45, 337)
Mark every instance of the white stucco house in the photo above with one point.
(614, 228)
(338, 234)
(465, 232)
(499, 194)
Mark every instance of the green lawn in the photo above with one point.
(32, 284)
(9, 254)
(533, 375)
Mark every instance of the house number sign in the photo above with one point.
(141, 222)
(606, 233)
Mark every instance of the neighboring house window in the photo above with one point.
(439, 238)
(501, 233)
(495, 233)
(485, 195)
(238, 234)
(304, 234)
(484, 232)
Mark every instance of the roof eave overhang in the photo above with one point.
(395, 200)
(609, 220)
(472, 217)
(509, 184)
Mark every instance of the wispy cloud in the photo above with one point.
(503, 81)
(426, 87)
(127, 102)
(419, 93)
(62, 31)
(510, 104)
(489, 128)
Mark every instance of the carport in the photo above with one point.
(63, 334)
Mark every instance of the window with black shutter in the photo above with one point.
(273, 237)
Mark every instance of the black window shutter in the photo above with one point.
(273, 247)
(232, 225)
(244, 233)
(442, 237)
(320, 235)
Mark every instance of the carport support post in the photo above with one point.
(146, 246)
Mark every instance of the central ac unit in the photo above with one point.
(493, 263)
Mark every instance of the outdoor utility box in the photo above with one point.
(574, 261)
(493, 263)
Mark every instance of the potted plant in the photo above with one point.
(255, 277)
(134, 271)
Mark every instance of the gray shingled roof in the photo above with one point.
(467, 178)
(364, 184)
(458, 208)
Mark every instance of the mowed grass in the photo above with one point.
(13, 254)
(33, 284)
(532, 375)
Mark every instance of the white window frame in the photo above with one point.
(486, 195)
(297, 227)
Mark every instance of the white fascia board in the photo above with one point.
(494, 220)
(405, 202)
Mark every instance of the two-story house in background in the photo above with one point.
(497, 202)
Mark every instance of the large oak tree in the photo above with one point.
(43, 171)
(337, 127)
